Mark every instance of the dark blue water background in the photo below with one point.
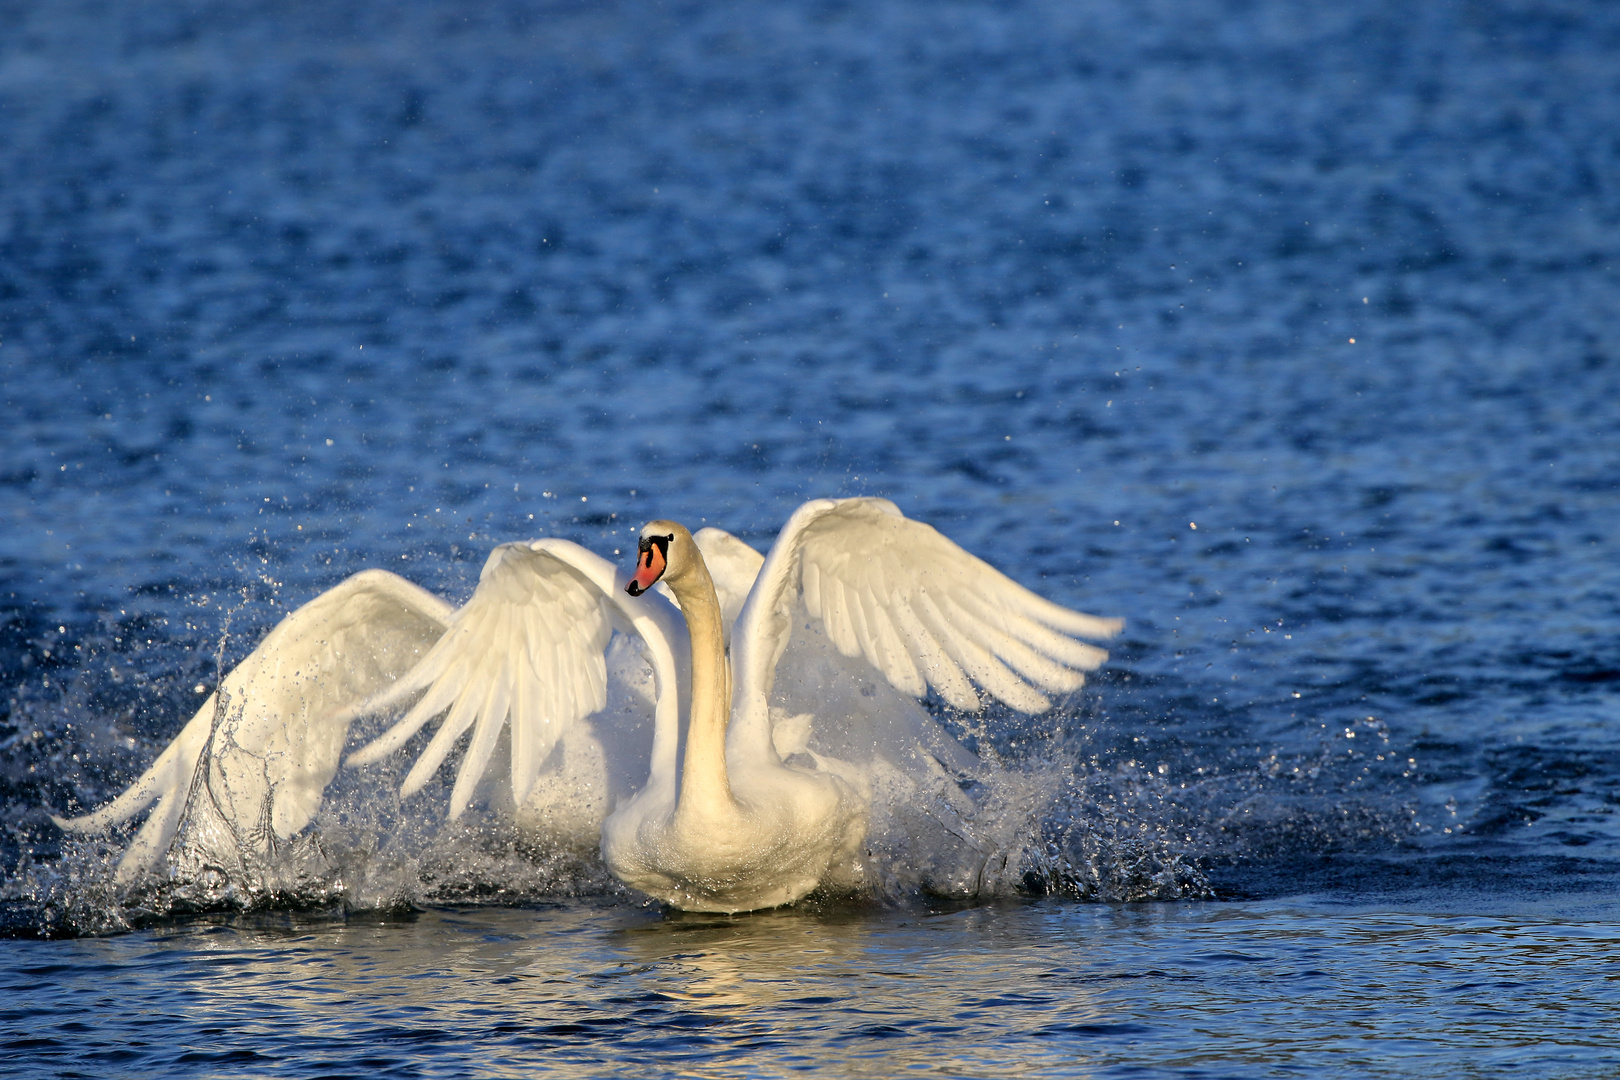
(289, 290)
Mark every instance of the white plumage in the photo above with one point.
(273, 732)
(851, 588)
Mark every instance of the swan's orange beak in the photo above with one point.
(650, 564)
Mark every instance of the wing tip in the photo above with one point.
(414, 783)
(368, 754)
(1078, 623)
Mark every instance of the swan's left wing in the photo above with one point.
(733, 566)
(920, 609)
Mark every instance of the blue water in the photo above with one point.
(291, 290)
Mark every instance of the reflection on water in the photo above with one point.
(1039, 989)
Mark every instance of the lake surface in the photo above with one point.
(1078, 990)
(1289, 335)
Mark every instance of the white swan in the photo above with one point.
(768, 796)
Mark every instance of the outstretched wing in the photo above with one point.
(920, 610)
(269, 740)
(927, 613)
(529, 648)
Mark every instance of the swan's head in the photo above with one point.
(665, 550)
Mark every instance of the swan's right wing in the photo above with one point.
(528, 649)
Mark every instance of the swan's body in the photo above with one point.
(756, 789)
(742, 830)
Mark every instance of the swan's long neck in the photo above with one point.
(703, 774)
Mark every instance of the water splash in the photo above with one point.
(1120, 794)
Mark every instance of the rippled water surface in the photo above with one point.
(1196, 989)
(1288, 333)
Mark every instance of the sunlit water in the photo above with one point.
(1037, 990)
(1287, 333)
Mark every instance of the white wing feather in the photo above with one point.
(273, 733)
(529, 649)
(916, 606)
(530, 646)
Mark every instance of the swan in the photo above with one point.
(761, 774)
